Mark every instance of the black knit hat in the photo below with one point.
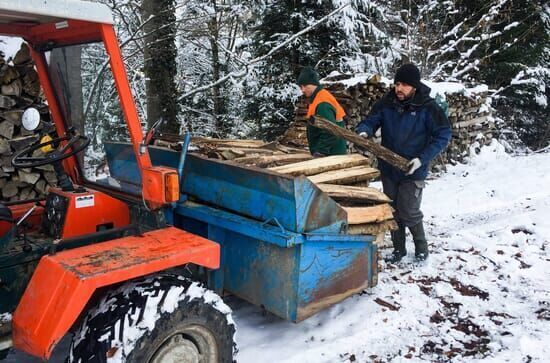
(308, 75)
(409, 74)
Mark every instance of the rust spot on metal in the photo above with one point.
(96, 260)
(351, 280)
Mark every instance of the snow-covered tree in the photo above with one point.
(209, 35)
(505, 44)
(272, 91)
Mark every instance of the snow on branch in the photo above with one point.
(244, 69)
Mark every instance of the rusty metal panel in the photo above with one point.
(331, 271)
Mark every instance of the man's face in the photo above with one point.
(404, 91)
(308, 89)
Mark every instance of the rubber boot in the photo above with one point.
(420, 244)
(399, 250)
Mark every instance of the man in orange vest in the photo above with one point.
(322, 103)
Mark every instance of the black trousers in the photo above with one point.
(407, 197)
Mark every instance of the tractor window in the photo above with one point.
(83, 80)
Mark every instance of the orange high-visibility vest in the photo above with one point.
(325, 96)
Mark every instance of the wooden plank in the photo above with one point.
(267, 160)
(360, 215)
(373, 229)
(243, 151)
(355, 193)
(320, 165)
(346, 176)
(228, 142)
(380, 151)
(277, 147)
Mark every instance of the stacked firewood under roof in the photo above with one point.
(469, 115)
(20, 89)
(345, 178)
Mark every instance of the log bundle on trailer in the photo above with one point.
(20, 89)
(469, 114)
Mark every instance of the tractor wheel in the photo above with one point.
(160, 319)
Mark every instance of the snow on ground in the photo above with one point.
(484, 294)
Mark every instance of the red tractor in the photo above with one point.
(96, 257)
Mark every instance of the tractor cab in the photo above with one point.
(89, 105)
(95, 227)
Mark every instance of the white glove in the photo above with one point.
(364, 134)
(413, 165)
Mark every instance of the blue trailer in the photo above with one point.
(284, 245)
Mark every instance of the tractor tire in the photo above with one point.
(164, 318)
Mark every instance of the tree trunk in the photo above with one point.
(217, 97)
(160, 63)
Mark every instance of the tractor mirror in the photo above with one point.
(30, 119)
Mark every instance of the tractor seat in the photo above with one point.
(5, 213)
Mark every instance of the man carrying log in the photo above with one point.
(415, 127)
(322, 103)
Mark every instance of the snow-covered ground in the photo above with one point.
(484, 294)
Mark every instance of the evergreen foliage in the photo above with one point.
(504, 44)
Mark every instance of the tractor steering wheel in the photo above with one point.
(75, 144)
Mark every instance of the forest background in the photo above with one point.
(225, 68)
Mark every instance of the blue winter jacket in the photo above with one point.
(413, 128)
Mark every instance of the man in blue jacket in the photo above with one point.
(415, 127)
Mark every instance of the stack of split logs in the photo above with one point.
(20, 89)
(469, 115)
(472, 124)
(345, 178)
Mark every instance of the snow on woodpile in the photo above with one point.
(469, 111)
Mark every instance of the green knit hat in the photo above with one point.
(308, 75)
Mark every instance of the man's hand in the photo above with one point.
(364, 134)
(414, 164)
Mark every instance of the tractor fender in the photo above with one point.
(62, 284)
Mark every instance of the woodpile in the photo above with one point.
(469, 115)
(345, 178)
(473, 124)
(20, 89)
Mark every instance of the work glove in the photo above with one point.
(364, 134)
(414, 164)
(317, 155)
